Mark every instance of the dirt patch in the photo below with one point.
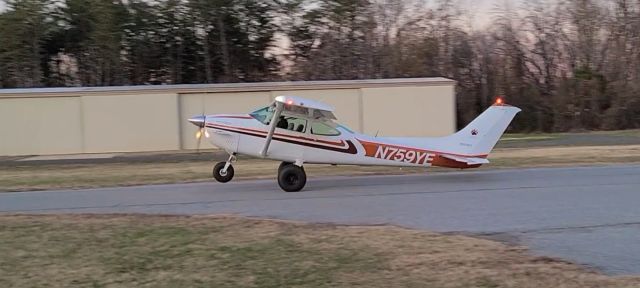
(228, 251)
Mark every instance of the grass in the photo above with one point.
(573, 139)
(525, 136)
(564, 156)
(63, 176)
(25, 178)
(225, 251)
(528, 137)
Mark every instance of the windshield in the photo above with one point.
(263, 115)
(346, 129)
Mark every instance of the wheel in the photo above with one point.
(222, 177)
(282, 164)
(292, 178)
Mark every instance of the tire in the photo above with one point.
(282, 165)
(217, 173)
(292, 178)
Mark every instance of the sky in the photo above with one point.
(482, 9)
(480, 5)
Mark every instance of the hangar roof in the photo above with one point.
(225, 87)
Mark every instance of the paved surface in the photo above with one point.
(590, 215)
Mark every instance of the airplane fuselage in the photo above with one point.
(243, 134)
(300, 131)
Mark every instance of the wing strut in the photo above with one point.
(272, 128)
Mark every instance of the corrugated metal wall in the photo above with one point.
(153, 118)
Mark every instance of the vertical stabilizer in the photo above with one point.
(482, 134)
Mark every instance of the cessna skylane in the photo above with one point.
(298, 131)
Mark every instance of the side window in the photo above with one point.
(292, 124)
(319, 128)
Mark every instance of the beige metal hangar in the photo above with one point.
(46, 121)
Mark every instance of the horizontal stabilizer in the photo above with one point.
(467, 160)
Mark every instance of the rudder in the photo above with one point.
(481, 135)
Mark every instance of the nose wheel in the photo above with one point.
(222, 175)
(291, 177)
(223, 171)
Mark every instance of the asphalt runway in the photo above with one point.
(588, 215)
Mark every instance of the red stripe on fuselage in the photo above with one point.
(231, 117)
(212, 125)
(347, 147)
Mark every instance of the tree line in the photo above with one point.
(570, 64)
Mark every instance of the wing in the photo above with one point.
(306, 107)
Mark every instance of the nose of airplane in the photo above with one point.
(198, 120)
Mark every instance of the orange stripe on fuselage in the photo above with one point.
(440, 161)
(419, 149)
(413, 155)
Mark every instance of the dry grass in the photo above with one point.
(225, 251)
(42, 177)
(563, 156)
(124, 174)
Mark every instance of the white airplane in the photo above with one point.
(297, 131)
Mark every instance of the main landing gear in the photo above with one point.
(291, 177)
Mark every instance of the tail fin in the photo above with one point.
(482, 134)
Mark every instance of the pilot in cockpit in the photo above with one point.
(283, 123)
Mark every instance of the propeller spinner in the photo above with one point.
(200, 121)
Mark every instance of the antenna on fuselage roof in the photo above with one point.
(377, 133)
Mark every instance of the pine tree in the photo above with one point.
(22, 29)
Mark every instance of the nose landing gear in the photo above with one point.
(223, 171)
(291, 177)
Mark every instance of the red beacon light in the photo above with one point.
(290, 102)
(499, 101)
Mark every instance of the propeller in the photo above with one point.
(201, 122)
(202, 131)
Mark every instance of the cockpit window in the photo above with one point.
(292, 124)
(319, 128)
(263, 115)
